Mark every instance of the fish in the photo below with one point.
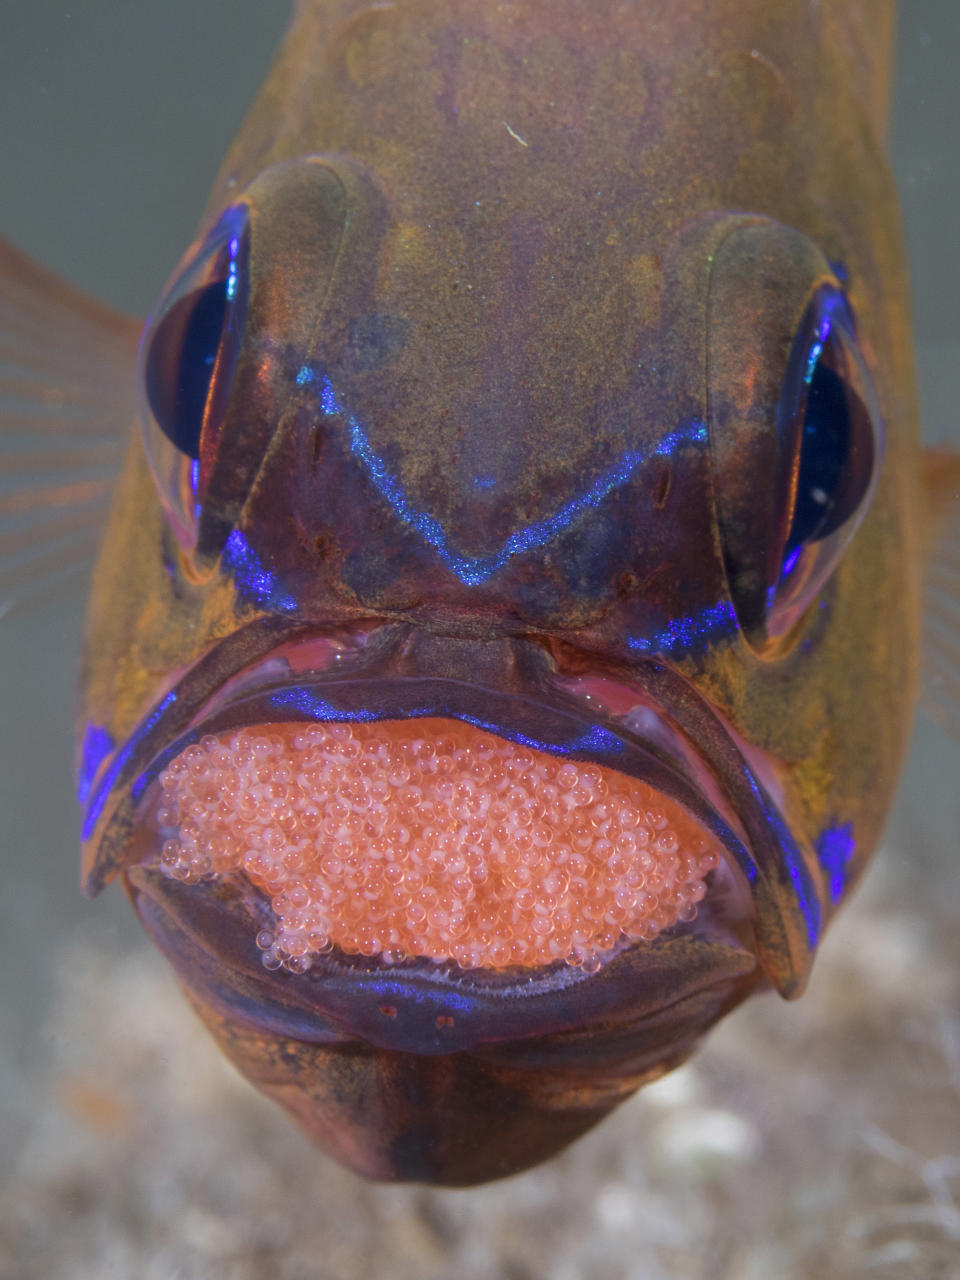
(506, 630)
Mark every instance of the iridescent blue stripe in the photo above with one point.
(254, 582)
(804, 889)
(685, 634)
(596, 738)
(97, 745)
(120, 761)
(835, 849)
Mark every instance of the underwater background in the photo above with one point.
(815, 1139)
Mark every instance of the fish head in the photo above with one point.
(619, 531)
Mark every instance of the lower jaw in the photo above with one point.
(463, 1118)
(415, 1074)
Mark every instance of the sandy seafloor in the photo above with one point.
(819, 1139)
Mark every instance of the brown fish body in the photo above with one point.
(523, 289)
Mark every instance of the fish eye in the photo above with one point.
(830, 425)
(188, 355)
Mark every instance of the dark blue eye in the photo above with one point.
(830, 425)
(181, 362)
(826, 449)
(188, 357)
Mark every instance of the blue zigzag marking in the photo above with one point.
(474, 570)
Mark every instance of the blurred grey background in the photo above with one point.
(114, 118)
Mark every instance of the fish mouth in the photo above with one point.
(547, 704)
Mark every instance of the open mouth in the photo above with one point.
(421, 821)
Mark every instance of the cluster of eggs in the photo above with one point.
(431, 838)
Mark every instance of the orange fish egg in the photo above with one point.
(431, 838)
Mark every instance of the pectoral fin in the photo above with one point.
(67, 403)
(942, 588)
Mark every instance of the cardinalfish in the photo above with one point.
(505, 636)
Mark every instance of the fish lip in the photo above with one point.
(433, 1009)
(566, 692)
(370, 648)
(672, 763)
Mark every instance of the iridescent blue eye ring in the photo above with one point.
(830, 423)
(188, 356)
